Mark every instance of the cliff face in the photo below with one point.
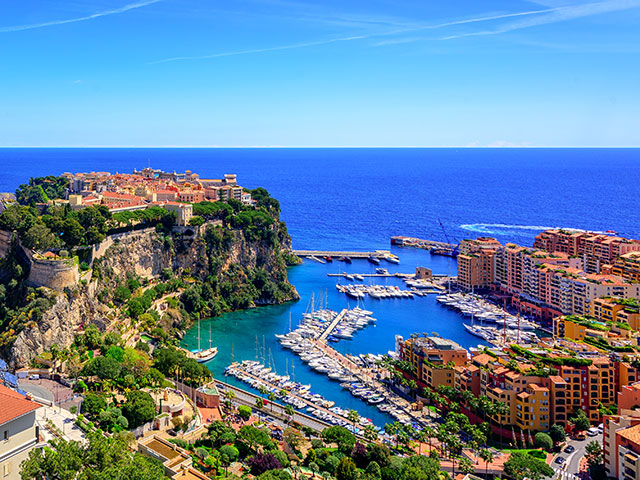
(59, 324)
(208, 256)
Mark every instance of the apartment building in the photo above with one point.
(434, 359)
(476, 263)
(628, 266)
(18, 431)
(596, 250)
(564, 327)
(616, 309)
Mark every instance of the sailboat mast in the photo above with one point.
(198, 335)
(209, 335)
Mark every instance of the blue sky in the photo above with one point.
(331, 73)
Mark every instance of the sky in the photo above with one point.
(329, 73)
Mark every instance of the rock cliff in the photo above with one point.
(211, 257)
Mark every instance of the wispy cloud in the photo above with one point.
(533, 18)
(352, 37)
(104, 13)
(557, 14)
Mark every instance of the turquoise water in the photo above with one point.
(239, 333)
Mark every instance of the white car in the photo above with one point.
(593, 431)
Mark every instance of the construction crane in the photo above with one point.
(451, 250)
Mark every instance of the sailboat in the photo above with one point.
(205, 355)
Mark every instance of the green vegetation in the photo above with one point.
(41, 190)
(553, 361)
(521, 465)
(103, 458)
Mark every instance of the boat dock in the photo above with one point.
(327, 253)
(333, 324)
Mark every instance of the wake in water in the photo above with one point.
(502, 229)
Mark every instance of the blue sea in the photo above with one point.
(358, 198)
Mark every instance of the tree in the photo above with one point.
(293, 437)
(595, 460)
(346, 470)
(39, 237)
(103, 367)
(420, 468)
(370, 432)
(543, 440)
(244, 412)
(139, 408)
(103, 458)
(465, 466)
(373, 471)
(340, 436)
(487, 456)
(93, 404)
(580, 420)
(557, 434)
(254, 437)
(379, 453)
(259, 403)
(359, 455)
(521, 465)
(262, 462)
(353, 417)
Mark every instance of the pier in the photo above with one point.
(333, 325)
(403, 241)
(327, 253)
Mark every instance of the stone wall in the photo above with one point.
(54, 274)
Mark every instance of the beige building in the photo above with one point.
(183, 211)
(18, 432)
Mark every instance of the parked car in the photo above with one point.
(601, 428)
(593, 431)
(560, 460)
(570, 449)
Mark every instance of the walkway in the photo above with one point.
(333, 324)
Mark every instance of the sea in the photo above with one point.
(356, 199)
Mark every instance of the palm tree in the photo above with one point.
(290, 412)
(353, 417)
(429, 433)
(272, 398)
(370, 433)
(487, 456)
(259, 403)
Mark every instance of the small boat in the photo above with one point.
(374, 260)
(382, 271)
(328, 259)
(392, 258)
(202, 356)
(358, 277)
(347, 259)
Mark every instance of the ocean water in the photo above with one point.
(356, 199)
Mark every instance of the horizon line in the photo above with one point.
(3, 147)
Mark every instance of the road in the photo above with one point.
(245, 398)
(571, 467)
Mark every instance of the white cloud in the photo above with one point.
(131, 6)
(558, 14)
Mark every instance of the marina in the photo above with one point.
(295, 394)
(399, 317)
(489, 321)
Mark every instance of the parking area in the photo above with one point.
(51, 391)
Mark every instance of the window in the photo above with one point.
(5, 436)
(6, 470)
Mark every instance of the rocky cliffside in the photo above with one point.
(220, 261)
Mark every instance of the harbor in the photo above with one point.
(235, 333)
(489, 321)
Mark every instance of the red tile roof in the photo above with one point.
(14, 405)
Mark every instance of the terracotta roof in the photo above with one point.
(632, 433)
(482, 359)
(14, 405)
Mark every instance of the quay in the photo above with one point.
(327, 253)
(333, 324)
(403, 241)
